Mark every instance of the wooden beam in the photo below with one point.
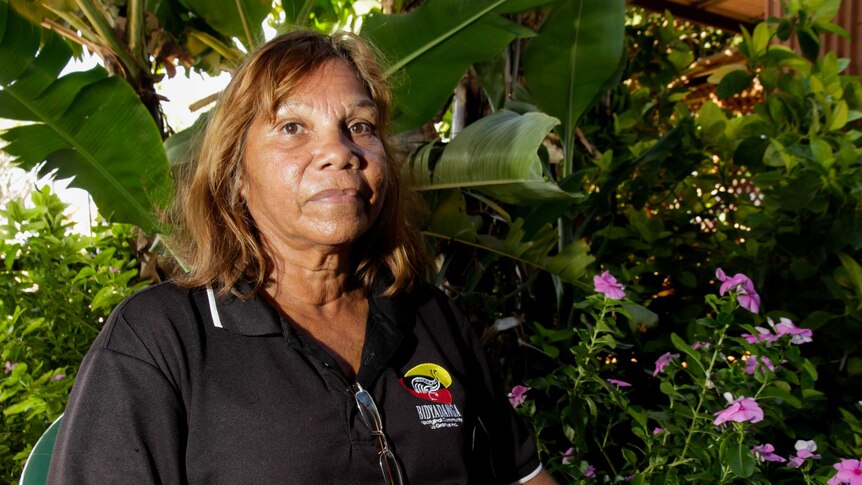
(707, 3)
(694, 14)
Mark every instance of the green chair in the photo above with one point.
(36, 469)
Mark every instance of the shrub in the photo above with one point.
(56, 289)
(725, 407)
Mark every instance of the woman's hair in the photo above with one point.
(215, 236)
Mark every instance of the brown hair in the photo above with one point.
(214, 234)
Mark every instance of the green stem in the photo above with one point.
(701, 398)
(304, 13)
(590, 347)
(441, 38)
(766, 378)
(569, 129)
(580, 284)
(220, 47)
(137, 40)
(602, 447)
(107, 34)
(76, 23)
(245, 27)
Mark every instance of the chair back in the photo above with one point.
(36, 468)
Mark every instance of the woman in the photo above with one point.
(302, 346)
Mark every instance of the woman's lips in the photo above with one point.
(338, 196)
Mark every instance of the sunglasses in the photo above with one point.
(371, 417)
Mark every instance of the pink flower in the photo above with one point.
(765, 453)
(662, 362)
(591, 472)
(742, 286)
(849, 471)
(518, 395)
(752, 363)
(58, 377)
(740, 410)
(700, 345)
(619, 383)
(804, 450)
(786, 327)
(607, 285)
(763, 335)
(657, 430)
(10, 366)
(568, 456)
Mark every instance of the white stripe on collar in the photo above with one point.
(213, 308)
(529, 477)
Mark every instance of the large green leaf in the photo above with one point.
(449, 221)
(84, 124)
(431, 47)
(578, 48)
(296, 12)
(234, 18)
(496, 155)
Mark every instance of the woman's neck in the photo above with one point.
(323, 301)
(312, 277)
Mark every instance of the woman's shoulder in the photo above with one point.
(160, 315)
(156, 297)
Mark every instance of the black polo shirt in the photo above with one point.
(182, 387)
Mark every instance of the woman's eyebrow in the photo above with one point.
(297, 103)
(365, 103)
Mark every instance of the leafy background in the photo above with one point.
(551, 139)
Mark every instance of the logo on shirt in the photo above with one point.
(431, 382)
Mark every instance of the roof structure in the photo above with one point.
(731, 15)
(724, 14)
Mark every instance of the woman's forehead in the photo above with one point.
(333, 82)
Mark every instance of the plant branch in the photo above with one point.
(69, 34)
(203, 102)
(87, 34)
(700, 399)
(586, 143)
(245, 27)
(107, 34)
(220, 47)
(536, 264)
(304, 13)
(137, 39)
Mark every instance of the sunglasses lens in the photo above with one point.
(368, 411)
(389, 467)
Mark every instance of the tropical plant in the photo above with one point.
(726, 397)
(576, 138)
(56, 288)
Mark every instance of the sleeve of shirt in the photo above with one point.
(124, 422)
(501, 434)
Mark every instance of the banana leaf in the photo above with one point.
(431, 47)
(496, 155)
(578, 48)
(234, 18)
(85, 124)
(449, 221)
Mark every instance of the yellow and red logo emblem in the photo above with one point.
(429, 382)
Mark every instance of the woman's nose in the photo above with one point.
(336, 152)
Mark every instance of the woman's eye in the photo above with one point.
(291, 128)
(362, 128)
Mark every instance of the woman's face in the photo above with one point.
(314, 176)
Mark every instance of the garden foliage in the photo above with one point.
(56, 288)
(729, 393)
(576, 144)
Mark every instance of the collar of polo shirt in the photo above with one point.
(390, 320)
